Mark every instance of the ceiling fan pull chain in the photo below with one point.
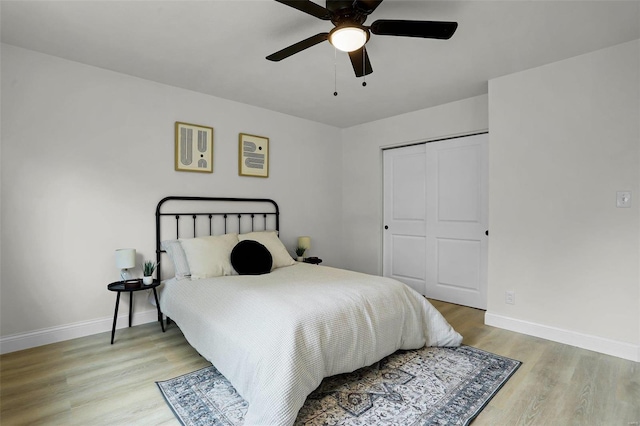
(335, 72)
(364, 67)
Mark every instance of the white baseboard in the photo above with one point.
(45, 336)
(584, 341)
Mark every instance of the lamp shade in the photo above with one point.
(126, 258)
(304, 242)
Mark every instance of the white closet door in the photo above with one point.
(435, 208)
(404, 244)
(457, 206)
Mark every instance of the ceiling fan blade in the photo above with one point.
(427, 29)
(368, 6)
(298, 47)
(308, 7)
(360, 61)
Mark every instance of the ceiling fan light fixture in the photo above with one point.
(348, 38)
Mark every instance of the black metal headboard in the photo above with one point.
(219, 213)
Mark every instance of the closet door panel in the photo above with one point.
(456, 220)
(404, 244)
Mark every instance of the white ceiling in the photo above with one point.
(219, 48)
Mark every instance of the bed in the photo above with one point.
(276, 335)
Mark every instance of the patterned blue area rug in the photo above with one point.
(428, 386)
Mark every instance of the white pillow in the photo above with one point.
(178, 257)
(270, 240)
(209, 256)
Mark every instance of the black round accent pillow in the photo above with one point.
(249, 257)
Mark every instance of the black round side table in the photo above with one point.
(119, 286)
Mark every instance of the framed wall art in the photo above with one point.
(253, 156)
(194, 148)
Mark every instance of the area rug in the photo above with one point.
(428, 386)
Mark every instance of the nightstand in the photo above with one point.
(119, 287)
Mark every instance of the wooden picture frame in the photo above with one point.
(253, 155)
(194, 148)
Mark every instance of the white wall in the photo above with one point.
(564, 138)
(362, 169)
(87, 154)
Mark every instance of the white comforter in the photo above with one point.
(276, 336)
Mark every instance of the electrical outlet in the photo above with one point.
(623, 199)
(510, 297)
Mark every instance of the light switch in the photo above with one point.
(623, 199)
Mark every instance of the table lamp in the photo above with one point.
(304, 243)
(125, 259)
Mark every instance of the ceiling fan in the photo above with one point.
(350, 35)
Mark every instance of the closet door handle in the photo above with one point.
(486, 232)
(386, 227)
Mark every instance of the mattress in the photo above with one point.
(276, 336)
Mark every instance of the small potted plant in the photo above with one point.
(147, 272)
(300, 253)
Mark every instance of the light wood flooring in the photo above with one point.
(87, 381)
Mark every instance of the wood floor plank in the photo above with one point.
(88, 381)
